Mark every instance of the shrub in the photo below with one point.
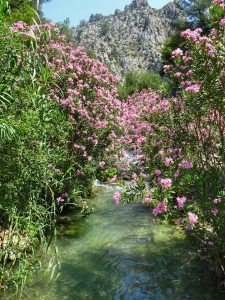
(137, 81)
(105, 28)
(58, 109)
(181, 146)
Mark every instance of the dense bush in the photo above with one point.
(181, 147)
(58, 110)
(137, 81)
(194, 14)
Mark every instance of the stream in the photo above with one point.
(117, 253)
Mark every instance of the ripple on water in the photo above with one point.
(118, 254)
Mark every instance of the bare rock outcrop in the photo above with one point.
(131, 39)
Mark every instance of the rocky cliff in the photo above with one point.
(131, 39)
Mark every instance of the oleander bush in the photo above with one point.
(58, 112)
(179, 142)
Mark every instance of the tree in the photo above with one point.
(196, 16)
(67, 30)
(105, 28)
(196, 11)
(25, 10)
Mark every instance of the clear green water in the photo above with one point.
(118, 254)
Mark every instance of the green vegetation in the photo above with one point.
(195, 15)
(51, 139)
(105, 28)
(137, 81)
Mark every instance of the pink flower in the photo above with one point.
(179, 221)
(49, 166)
(181, 201)
(177, 173)
(192, 35)
(188, 227)
(177, 53)
(20, 25)
(168, 161)
(147, 200)
(113, 179)
(117, 197)
(57, 171)
(217, 200)
(60, 200)
(102, 164)
(161, 152)
(157, 172)
(222, 22)
(195, 88)
(214, 212)
(178, 74)
(186, 165)
(193, 218)
(160, 208)
(48, 26)
(166, 182)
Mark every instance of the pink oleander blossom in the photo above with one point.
(113, 179)
(186, 165)
(177, 173)
(193, 218)
(177, 53)
(178, 74)
(160, 209)
(166, 182)
(60, 200)
(179, 221)
(102, 164)
(168, 161)
(181, 201)
(195, 88)
(217, 200)
(117, 197)
(157, 172)
(214, 212)
(147, 200)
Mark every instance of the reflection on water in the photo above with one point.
(118, 254)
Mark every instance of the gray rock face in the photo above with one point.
(131, 39)
(138, 4)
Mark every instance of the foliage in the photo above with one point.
(54, 134)
(137, 81)
(177, 144)
(196, 11)
(194, 15)
(105, 28)
(66, 30)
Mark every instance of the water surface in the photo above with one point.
(119, 254)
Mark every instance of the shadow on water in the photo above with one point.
(118, 254)
(110, 273)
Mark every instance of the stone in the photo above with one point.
(131, 39)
